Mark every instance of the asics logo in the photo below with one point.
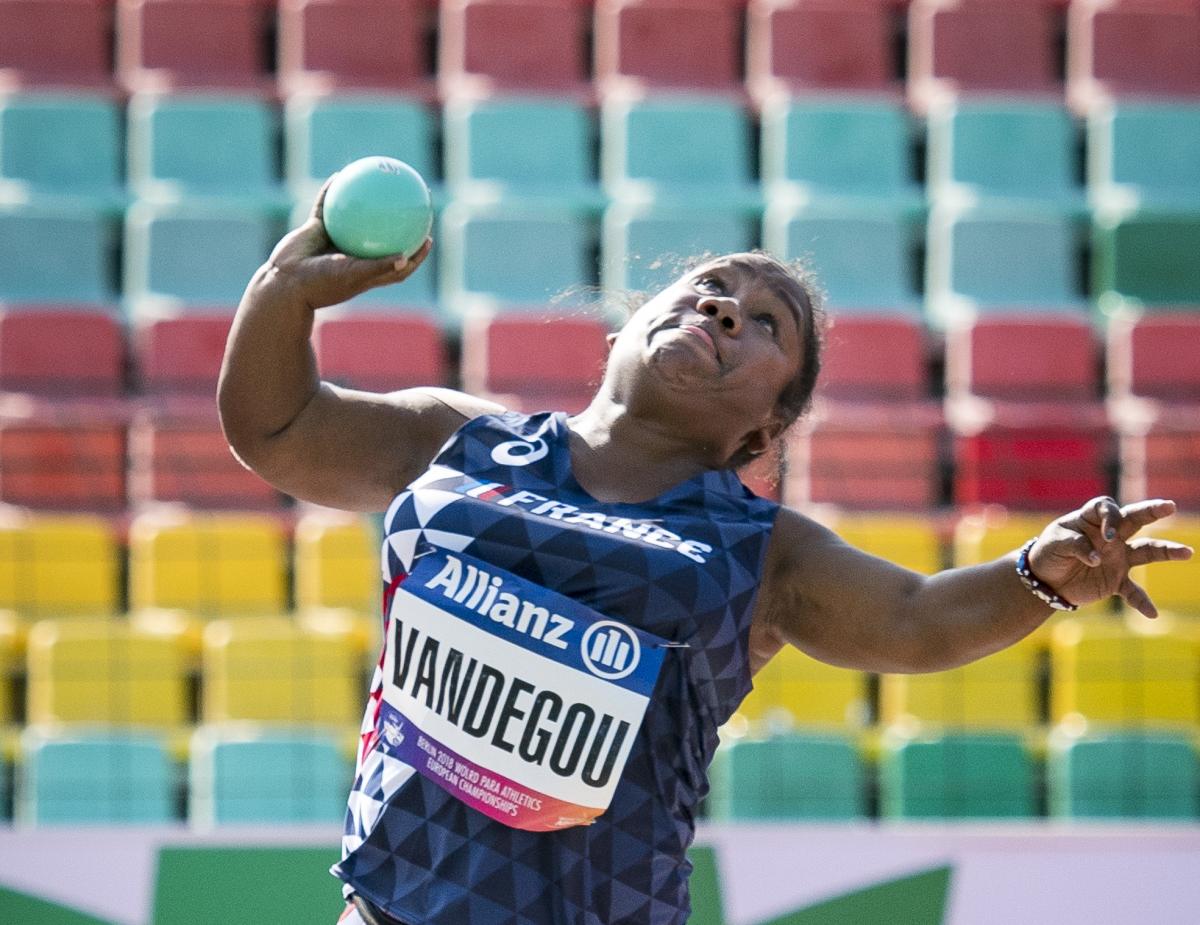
(520, 452)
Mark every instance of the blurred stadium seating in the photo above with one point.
(1000, 198)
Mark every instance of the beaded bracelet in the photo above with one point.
(1036, 586)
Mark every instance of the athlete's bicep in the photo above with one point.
(356, 450)
(835, 602)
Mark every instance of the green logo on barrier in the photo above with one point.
(234, 885)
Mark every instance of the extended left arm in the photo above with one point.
(852, 609)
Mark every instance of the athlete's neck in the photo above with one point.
(617, 456)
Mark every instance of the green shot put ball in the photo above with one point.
(378, 206)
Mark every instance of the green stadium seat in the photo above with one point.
(1146, 256)
(250, 774)
(1143, 152)
(680, 148)
(1009, 149)
(78, 778)
(839, 146)
(324, 133)
(39, 241)
(1128, 776)
(787, 777)
(646, 246)
(521, 147)
(840, 240)
(507, 256)
(58, 145)
(956, 776)
(192, 255)
(999, 256)
(205, 146)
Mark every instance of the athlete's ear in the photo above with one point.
(759, 440)
(611, 338)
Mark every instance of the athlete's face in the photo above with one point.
(726, 335)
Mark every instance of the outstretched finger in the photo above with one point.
(1142, 552)
(1143, 513)
(1137, 598)
(1103, 513)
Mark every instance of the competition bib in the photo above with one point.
(520, 702)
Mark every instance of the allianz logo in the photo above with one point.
(609, 649)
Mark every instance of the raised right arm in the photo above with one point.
(317, 441)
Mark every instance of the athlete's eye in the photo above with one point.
(768, 321)
(710, 284)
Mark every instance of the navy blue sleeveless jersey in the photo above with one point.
(685, 567)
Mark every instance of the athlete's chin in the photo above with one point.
(683, 368)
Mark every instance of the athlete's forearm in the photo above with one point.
(962, 614)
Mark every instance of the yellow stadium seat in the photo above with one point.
(992, 532)
(58, 566)
(365, 631)
(11, 648)
(909, 541)
(271, 669)
(337, 562)
(215, 565)
(105, 671)
(999, 691)
(1112, 673)
(1174, 586)
(795, 690)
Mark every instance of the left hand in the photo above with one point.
(1086, 555)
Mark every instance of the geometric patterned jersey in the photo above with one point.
(685, 567)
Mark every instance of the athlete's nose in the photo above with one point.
(724, 311)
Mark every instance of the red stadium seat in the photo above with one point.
(355, 44)
(181, 354)
(804, 45)
(496, 360)
(63, 458)
(981, 45)
(693, 44)
(866, 456)
(874, 357)
(175, 44)
(380, 353)
(1024, 357)
(1132, 47)
(1156, 356)
(1029, 455)
(61, 351)
(66, 43)
(1154, 385)
(1158, 456)
(178, 453)
(487, 45)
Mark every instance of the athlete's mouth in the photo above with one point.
(696, 330)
